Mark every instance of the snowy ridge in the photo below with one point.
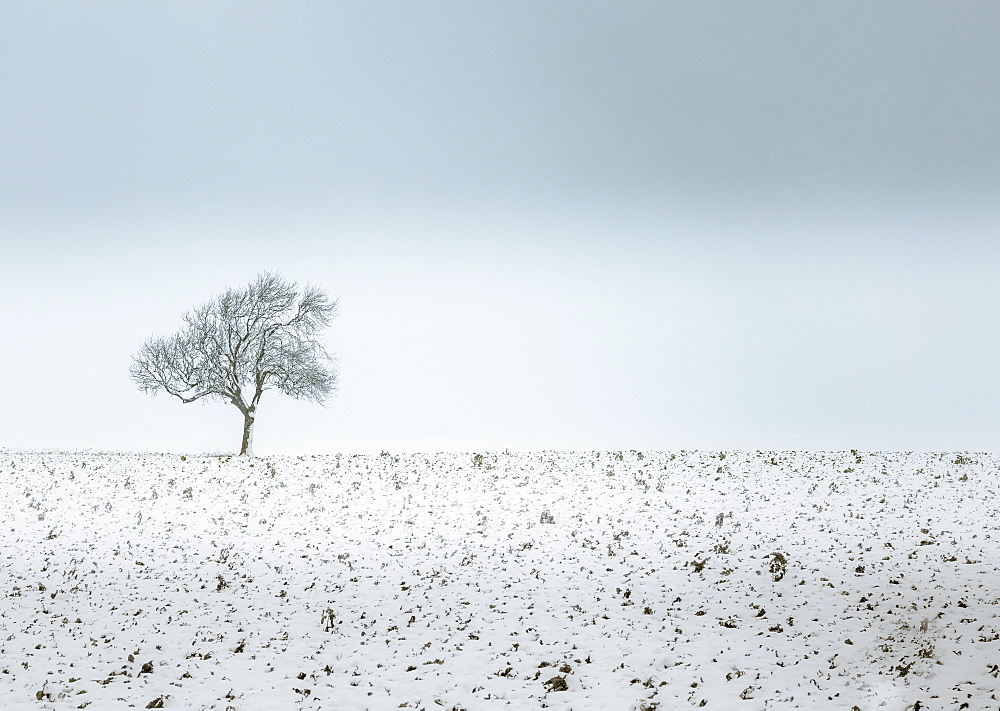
(593, 580)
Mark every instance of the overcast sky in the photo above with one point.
(550, 225)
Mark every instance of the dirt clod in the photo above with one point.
(556, 683)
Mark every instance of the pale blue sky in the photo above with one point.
(551, 225)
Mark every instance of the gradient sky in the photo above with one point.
(551, 225)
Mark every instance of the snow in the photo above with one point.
(589, 580)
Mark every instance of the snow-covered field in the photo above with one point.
(547, 580)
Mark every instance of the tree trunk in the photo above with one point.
(247, 447)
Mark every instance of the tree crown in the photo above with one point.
(243, 342)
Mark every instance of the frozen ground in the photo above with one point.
(548, 580)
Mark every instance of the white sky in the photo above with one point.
(649, 226)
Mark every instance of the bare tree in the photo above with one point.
(241, 343)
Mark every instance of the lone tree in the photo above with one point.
(241, 343)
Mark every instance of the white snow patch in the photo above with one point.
(596, 580)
